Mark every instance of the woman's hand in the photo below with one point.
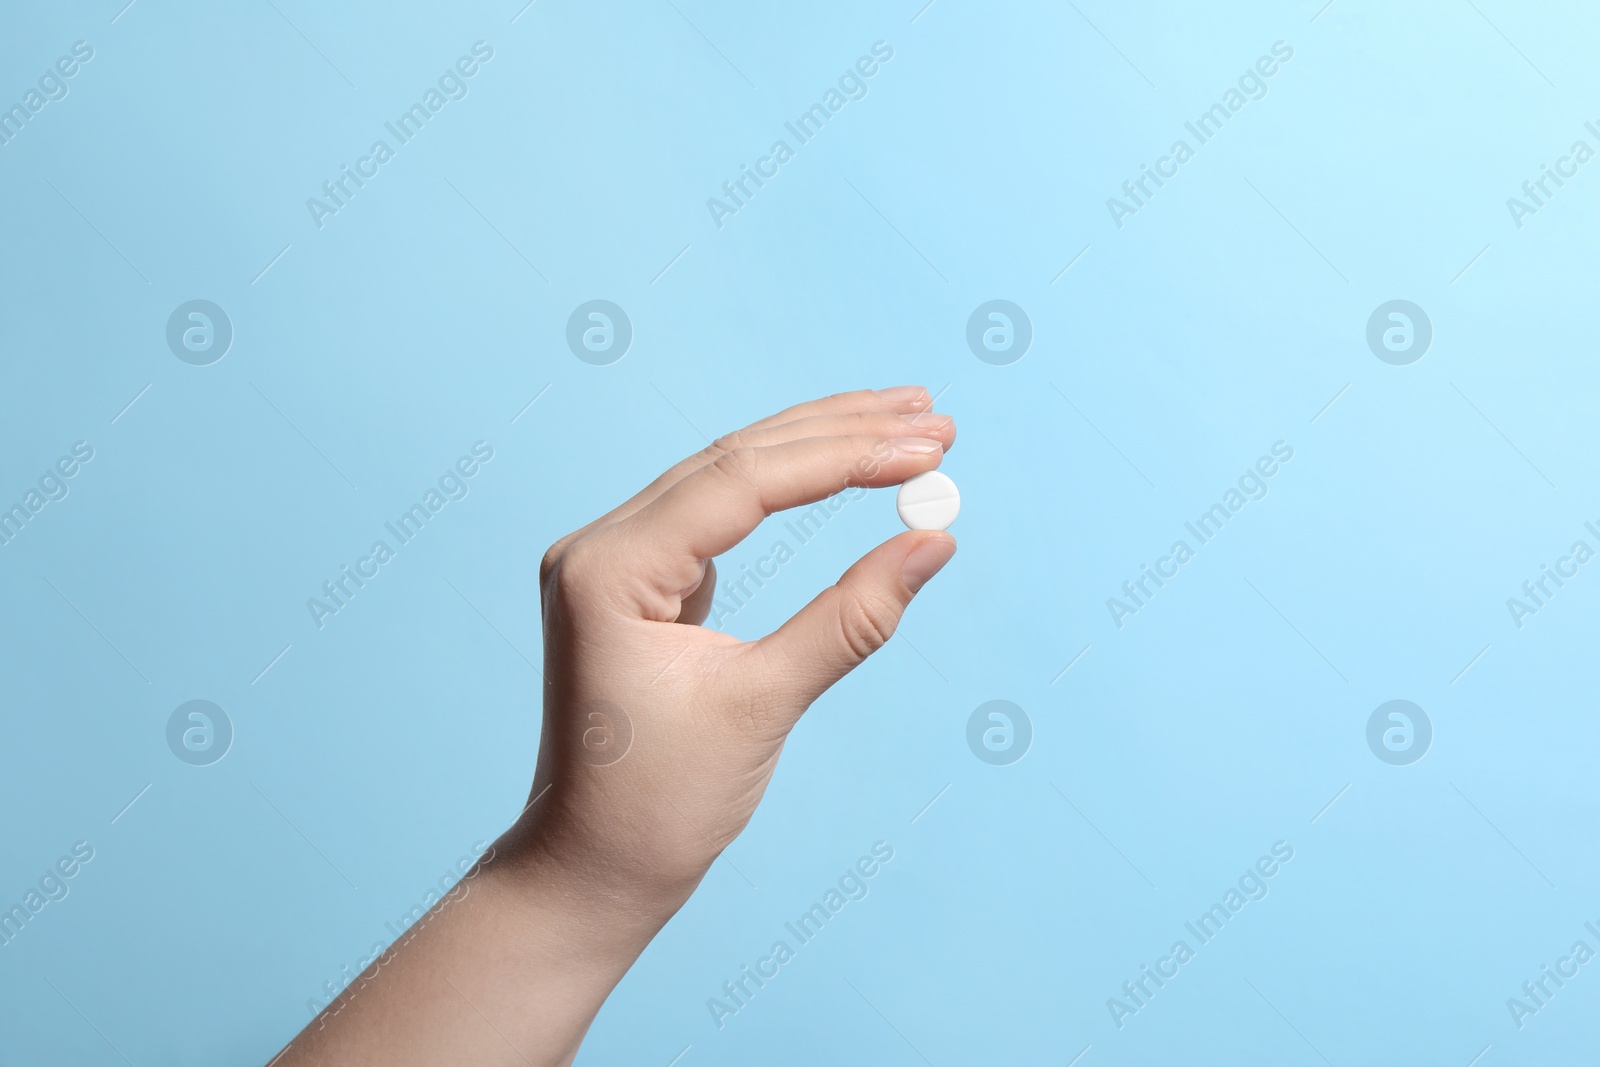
(660, 735)
(659, 739)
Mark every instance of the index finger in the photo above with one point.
(717, 506)
(896, 400)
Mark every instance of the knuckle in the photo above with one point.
(735, 462)
(571, 573)
(867, 623)
(731, 441)
(552, 557)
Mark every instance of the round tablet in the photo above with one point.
(928, 501)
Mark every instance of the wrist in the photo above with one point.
(601, 909)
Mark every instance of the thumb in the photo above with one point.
(846, 623)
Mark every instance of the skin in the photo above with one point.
(659, 738)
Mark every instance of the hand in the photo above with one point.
(659, 739)
(660, 735)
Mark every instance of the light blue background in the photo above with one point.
(1221, 318)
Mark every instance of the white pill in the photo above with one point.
(928, 501)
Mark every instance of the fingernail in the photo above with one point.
(916, 445)
(902, 394)
(927, 420)
(926, 560)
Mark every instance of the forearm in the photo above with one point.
(511, 969)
